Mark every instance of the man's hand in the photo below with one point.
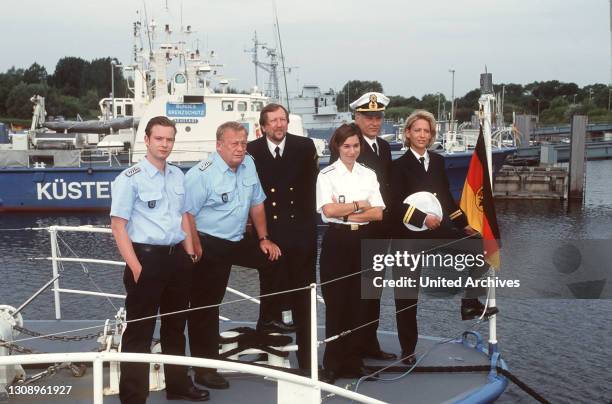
(197, 249)
(432, 222)
(270, 249)
(136, 272)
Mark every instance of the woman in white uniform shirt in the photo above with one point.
(348, 198)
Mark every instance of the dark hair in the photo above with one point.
(230, 125)
(161, 121)
(340, 135)
(263, 118)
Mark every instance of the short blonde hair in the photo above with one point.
(415, 116)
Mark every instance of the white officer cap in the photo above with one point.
(370, 102)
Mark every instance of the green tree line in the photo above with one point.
(553, 101)
(75, 87)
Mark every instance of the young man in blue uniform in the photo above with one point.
(223, 191)
(150, 226)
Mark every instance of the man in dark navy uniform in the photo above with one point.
(375, 154)
(287, 166)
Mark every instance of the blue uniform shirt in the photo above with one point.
(220, 199)
(152, 203)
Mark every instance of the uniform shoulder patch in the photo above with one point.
(328, 169)
(204, 165)
(131, 171)
(364, 166)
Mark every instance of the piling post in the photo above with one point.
(524, 127)
(577, 158)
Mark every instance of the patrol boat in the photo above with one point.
(74, 169)
(60, 360)
(461, 368)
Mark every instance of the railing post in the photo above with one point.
(493, 347)
(98, 381)
(56, 287)
(314, 361)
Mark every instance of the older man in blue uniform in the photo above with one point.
(151, 228)
(223, 191)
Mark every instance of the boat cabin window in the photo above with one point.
(129, 110)
(179, 78)
(227, 105)
(118, 112)
(242, 106)
(256, 106)
(47, 161)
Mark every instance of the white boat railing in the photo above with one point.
(55, 258)
(298, 389)
(290, 386)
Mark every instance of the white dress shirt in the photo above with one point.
(418, 156)
(272, 146)
(336, 181)
(371, 142)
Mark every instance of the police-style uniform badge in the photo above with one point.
(204, 165)
(131, 171)
(151, 204)
(224, 197)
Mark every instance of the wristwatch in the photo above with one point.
(264, 238)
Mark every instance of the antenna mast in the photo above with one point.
(280, 44)
(254, 51)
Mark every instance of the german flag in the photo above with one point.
(477, 203)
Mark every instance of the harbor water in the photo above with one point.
(559, 345)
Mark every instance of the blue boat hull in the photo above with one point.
(80, 189)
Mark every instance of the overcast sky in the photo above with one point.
(409, 46)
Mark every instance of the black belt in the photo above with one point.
(206, 235)
(159, 249)
(348, 226)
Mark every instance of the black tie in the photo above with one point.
(422, 160)
(375, 148)
(277, 155)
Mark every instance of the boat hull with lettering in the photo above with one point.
(56, 188)
(89, 188)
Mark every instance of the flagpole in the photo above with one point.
(486, 101)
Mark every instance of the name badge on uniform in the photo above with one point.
(224, 197)
(341, 199)
(151, 204)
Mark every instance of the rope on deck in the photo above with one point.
(464, 369)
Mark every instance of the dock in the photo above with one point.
(531, 183)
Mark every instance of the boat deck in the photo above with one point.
(413, 387)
